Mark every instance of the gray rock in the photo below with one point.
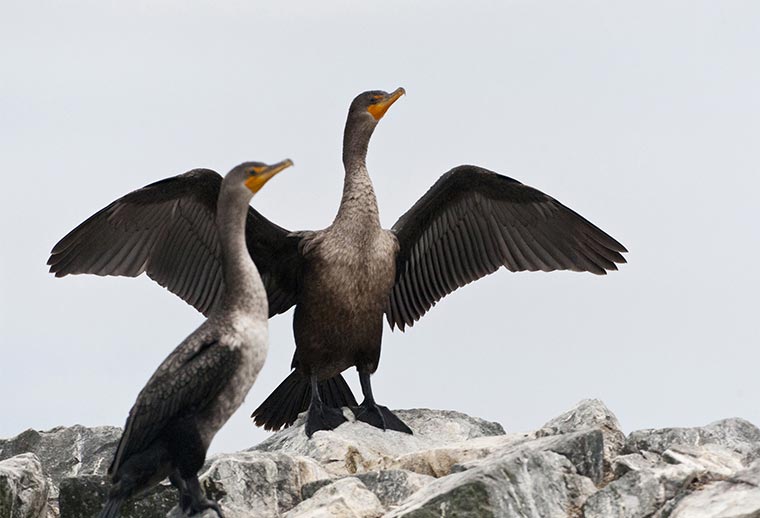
(525, 484)
(634, 462)
(585, 450)
(709, 461)
(454, 465)
(308, 489)
(447, 425)
(394, 486)
(66, 451)
(391, 487)
(653, 484)
(261, 484)
(84, 497)
(734, 434)
(245, 484)
(736, 497)
(639, 493)
(345, 498)
(23, 487)
(591, 414)
(440, 461)
(357, 447)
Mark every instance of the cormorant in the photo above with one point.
(343, 278)
(205, 379)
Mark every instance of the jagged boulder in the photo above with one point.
(736, 497)
(578, 465)
(586, 415)
(667, 469)
(23, 487)
(526, 483)
(264, 484)
(66, 451)
(84, 497)
(639, 493)
(357, 447)
(391, 487)
(347, 497)
(734, 434)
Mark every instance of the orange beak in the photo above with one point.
(378, 109)
(262, 175)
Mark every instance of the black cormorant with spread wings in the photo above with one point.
(344, 278)
(205, 379)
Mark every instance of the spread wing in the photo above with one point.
(187, 385)
(473, 221)
(167, 229)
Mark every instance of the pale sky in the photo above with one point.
(642, 116)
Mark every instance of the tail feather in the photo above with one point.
(289, 404)
(111, 510)
(335, 392)
(292, 396)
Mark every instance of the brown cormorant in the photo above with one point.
(343, 278)
(205, 379)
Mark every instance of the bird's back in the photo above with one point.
(205, 376)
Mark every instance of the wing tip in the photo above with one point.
(55, 267)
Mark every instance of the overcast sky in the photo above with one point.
(642, 116)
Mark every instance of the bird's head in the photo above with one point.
(372, 105)
(363, 115)
(250, 177)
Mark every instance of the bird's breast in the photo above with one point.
(352, 272)
(250, 338)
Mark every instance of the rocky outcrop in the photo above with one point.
(578, 465)
(527, 482)
(355, 448)
(23, 487)
(64, 452)
(737, 435)
(344, 497)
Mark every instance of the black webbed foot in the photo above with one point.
(373, 414)
(185, 502)
(201, 505)
(323, 417)
(379, 417)
(184, 495)
(197, 500)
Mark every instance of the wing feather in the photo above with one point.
(168, 230)
(473, 221)
(183, 385)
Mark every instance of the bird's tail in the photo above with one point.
(111, 510)
(292, 397)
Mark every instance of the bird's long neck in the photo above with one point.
(243, 289)
(358, 205)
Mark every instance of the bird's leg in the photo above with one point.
(184, 496)
(198, 500)
(372, 413)
(321, 416)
